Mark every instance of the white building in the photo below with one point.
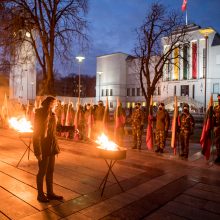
(117, 74)
(22, 81)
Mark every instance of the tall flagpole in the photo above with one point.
(186, 18)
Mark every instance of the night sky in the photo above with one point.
(112, 24)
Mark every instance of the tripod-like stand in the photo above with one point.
(26, 138)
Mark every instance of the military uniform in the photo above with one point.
(185, 127)
(98, 116)
(216, 124)
(162, 126)
(137, 122)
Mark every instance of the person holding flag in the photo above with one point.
(120, 119)
(149, 134)
(216, 124)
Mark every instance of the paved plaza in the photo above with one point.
(154, 186)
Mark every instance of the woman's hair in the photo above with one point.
(47, 101)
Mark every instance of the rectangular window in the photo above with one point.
(194, 60)
(174, 90)
(216, 88)
(138, 91)
(184, 90)
(128, 92)
(106, 92)
(133, 91)
(158, 90)
(102, 92)
(111, 92)
(193, 91)
(185, 61)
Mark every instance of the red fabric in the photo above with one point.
(205, 139)
(184, 5)
(194, 60)
(149, 135)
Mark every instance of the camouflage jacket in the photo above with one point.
(137, 118)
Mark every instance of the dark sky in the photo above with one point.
(112, 24)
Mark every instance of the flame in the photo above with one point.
(106, 144)
(20, 124)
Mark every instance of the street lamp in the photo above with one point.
(205, 32)
(80, 59)
(99, 73)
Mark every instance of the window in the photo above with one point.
(111, 104)
(106, 92)
(184, 90)
(174, 90)
(193, 91)
(133, 91)
(158, 89)
(216, 88)
(138, 91)
(128, 91)
(111, 92)
(102, 92)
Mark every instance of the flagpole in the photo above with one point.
(186, 18)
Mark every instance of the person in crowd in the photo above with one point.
(185, 128)
(162, 126)
(137, 122)
(46, 147)
(216, 124)
(99, 115)
(120, 119)
(89, 120)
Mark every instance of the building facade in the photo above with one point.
(192, 80)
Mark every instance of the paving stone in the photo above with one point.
(213, 207)
(77, 216)
(189, 212)
(203, 194)
(208, 187)
(161, 214)
(46, 214)
(3, 217)
(191, 201)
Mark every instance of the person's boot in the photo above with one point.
(41, 196)
(50, 194)
(157, 150)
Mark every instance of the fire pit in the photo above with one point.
(110, 152)
(24, 129)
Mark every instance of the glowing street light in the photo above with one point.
(80, 59)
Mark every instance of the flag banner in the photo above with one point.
(194, 60)
(185, 61)
(174, 125)
(106, 116)
(184, 5)
(206, 136)
(149, 134)
(176, 64)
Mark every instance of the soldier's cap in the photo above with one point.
(185, 105)
(162, 104)
(88, 104)
(218, 96)
(138, 103)
(48, 100)
(100, 102)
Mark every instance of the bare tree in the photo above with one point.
(50, 26)
(161, 27)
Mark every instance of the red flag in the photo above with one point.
(184, 5)
(205, 139)
(106, 116)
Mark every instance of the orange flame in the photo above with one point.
(20, 124)
(105, 143)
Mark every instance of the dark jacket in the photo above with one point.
(44, 136)
(162, 120)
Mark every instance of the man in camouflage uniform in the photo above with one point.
(185, 127)
(216, 124)
(162, 126)
(137, 122)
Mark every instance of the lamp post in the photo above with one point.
(99, 73)
(80, 59)
(205, 32)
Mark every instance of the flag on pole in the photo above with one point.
(106, 116)
(206, 137)
(184, 5)
(174, 126)
(76, 121)
(67, 121)
(149, 135)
